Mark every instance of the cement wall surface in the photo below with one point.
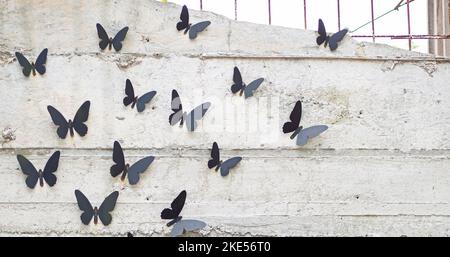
(381, 169)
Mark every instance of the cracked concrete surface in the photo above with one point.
(380, 170)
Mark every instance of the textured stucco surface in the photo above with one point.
(382, 168)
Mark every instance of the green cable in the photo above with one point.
(384, 14)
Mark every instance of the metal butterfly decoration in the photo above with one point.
(303, 135)
(77, 124)
(181, 117)
(38, 66)
(103, 212)
(33, 175)
(132, 99)
(121, 167)
(241, 87)
(216, 162)
(180, 226)
(106, 41)
(333, 40)
(186, 26)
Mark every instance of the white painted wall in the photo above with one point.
(381, 169)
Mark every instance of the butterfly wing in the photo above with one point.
(295, 118)
(144, 99)
(309, 133)
(197, 28)
(237, 79)
(85, 206)
(28, 169)
(175, 207)
(177, 109)
(184, 17)
(119, 159)
(129, 91)
(228, 164)
(26, 66)
(50, 168)
(40, 62)
(336, 38)
(248, 90)
(215, 156)
(120, 36)
(59, 120)
(183, 226)
(104, 38)
(322, 33)
(196, 114)
(106, 207)
(138, 168)
(81, 116)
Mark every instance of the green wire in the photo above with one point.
(384, 14)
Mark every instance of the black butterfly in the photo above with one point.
(77, 124)
(124, 168)
(173, 214)
(33, 175)
(38, 66)
(239, 85)
(303, 134)
(105, 41)
(134, 100)
(194, 29)
(217, 162)
(103, 212)
(179, 116)
(332, 40)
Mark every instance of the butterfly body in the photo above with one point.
(34, 175)
(217, 163)
(188, 118)
(28, 67)
(302, 134)
(184, 24)
(77, 124)
(134, 100)
(331, 41)
(243, 88)
(121, 167)
(180, 226)
(107, 41)
(102, 212)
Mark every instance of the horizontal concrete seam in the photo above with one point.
(159, 55)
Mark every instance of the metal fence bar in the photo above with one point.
(235, 10)
(201, 4)
(339, 14)
(304, 13)
(373, 21)
(406, 36)
(409, 36)
(409, 25)
(270, 13)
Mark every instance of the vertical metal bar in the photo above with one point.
(201, 4)
(235, 10)
(373, 22)
(409, 25)
(304, 13)
(339, 14)
(270, 14)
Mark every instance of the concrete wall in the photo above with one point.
(382, 168)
